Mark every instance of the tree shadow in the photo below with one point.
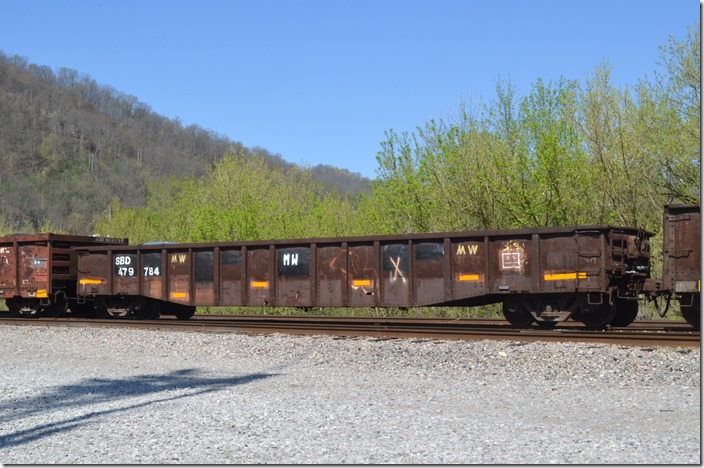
(185, 383)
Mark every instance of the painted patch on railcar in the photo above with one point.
(294, 261)
(513, 256)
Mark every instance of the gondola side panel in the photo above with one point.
(259, 276)
(204, 277)
(179, 274)
(512, 264)
(152, 273)
(8, 270)
(293, 272)
(94, 274)
(429, 273)
(396, 274)
(591, 261)
(232, 276)
(33, 263)
(331, 275)
(125, 278)
(560, 270)
(470, 276)
(682, 248)
(363, 275)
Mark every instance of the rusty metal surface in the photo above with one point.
(24, 270)
(682, 259)
(682, 248)
(462, 268)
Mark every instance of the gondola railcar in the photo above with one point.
(38, 272)
(593, 274)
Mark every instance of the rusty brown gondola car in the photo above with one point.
(38, 272)
(593, 274)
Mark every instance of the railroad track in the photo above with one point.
(639, 333)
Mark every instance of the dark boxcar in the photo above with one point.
(38, 271)
(589, 273)
(682, 258)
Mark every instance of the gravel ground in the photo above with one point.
(117, 396)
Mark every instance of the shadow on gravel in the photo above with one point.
(82, 396)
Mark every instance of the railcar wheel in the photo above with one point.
(183, 312)
(692, 313)
(599, 316)
(625, 313)
(57, 308)
(517, 314)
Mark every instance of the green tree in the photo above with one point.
(241, 198)
(400, 190)
(537, 171)
(675, 131)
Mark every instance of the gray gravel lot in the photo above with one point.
(118, 396)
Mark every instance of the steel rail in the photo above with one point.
(638, 334)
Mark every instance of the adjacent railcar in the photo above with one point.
(38, 272)
(592, 274)
(682, 259)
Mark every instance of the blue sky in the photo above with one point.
(319, 82)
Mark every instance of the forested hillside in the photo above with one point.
(70, 147)
(86, 158)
